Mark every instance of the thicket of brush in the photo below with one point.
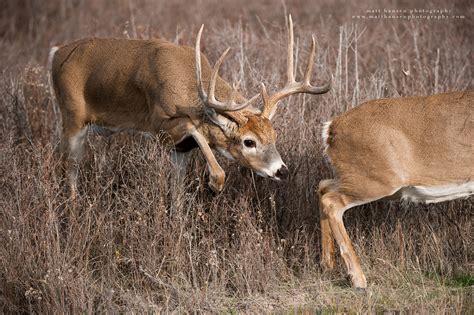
(138, 240)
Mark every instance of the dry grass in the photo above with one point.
(138, 241)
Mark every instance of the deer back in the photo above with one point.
(130, 83)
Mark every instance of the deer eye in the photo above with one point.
(250, 143)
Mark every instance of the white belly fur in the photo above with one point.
(435, 194)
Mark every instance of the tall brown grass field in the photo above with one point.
(139, 240)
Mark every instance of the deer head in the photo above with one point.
(247, 134)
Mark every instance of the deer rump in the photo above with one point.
(416, 148)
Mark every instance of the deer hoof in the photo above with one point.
(359, 283)
(217, 183)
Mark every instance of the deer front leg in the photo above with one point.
(216, 173)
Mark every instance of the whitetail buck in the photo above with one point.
(416, 148)
(157, 86)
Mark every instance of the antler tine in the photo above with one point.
(308, 88)
(309, 67)
(202, 93)
(289, 59)
(215, 72)
(292, 86)
(210, 101)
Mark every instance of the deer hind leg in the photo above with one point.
(74, 116)
(334, 204)
(73, 148)
(327, 240)
(74, 145)
(181, 160)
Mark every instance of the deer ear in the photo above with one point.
(227, 125)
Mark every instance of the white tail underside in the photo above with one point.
(325, 134)
(52, 51)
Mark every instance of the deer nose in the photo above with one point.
(282, 173)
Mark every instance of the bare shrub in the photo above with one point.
(137, 240)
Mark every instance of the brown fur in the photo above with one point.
(409, 141)
(139, 84)
(384, 148)
(261, 127)
(149, 85)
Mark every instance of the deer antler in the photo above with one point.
(210, 100)
(292, 86)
